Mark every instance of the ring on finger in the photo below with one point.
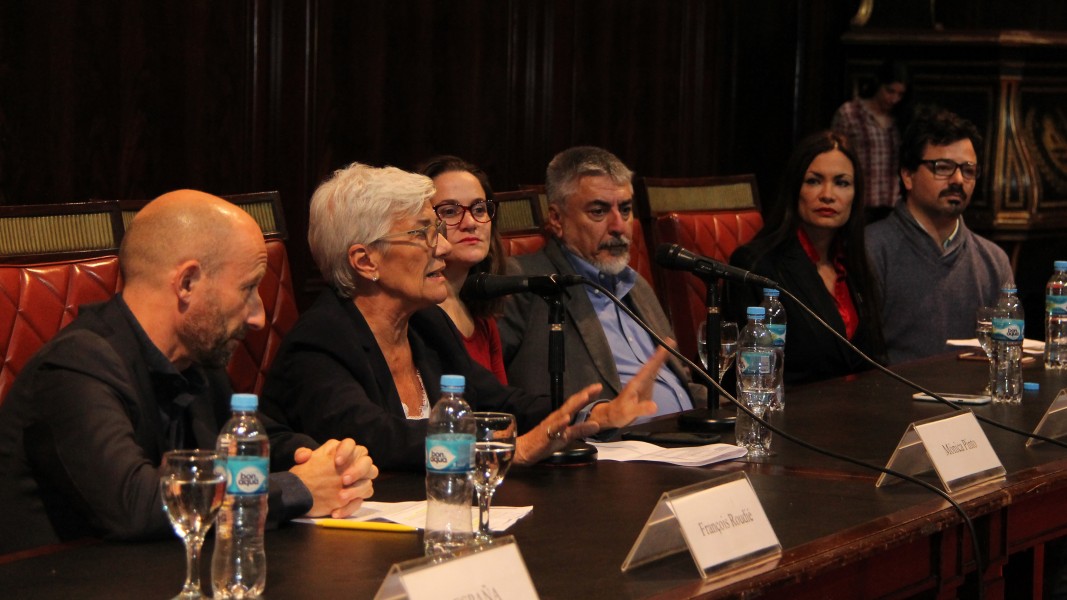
(554, 435)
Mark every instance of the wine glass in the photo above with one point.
(192, 484)
(728, 348)
(984, 333)
(494, 447)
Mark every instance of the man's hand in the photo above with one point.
(339, 476)
(556, 431)
(635, 399)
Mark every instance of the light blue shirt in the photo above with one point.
(630, 345)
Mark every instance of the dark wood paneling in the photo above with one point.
(131, 99)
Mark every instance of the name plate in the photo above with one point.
(953, 445)
(720, 521)
(488, 572)
(1053, 423)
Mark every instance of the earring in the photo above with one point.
(375, 278)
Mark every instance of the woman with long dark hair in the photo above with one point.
(812, 244)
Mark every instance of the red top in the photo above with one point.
(842, 296)
(484, 347)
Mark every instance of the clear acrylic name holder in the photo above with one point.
(494, 569)
(720, 521)
(953, 445)
(1053, 423)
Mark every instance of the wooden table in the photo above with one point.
(841, 536)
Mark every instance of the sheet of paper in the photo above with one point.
(413, 514)
(686, 456)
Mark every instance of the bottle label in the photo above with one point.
(754, 362)
(449, 452)
(778, 333)
(1056, 305)
(1007, 330)
(246, 475)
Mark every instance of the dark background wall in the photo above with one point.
(131, 99)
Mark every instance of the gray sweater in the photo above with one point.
(930, 294)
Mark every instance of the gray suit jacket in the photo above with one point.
(589, 359)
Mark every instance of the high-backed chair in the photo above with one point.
(519, 221)
(710, 216)
(252, 359)
(53, 258)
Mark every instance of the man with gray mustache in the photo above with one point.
(934, 272)
(590, 221)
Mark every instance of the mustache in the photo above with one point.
(954, 189)
(621, 242)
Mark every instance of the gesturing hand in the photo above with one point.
(556, 431)
(635, 399)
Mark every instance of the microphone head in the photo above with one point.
(673, 256)
(474, 285)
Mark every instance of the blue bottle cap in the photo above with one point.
(453, 383)
(757, 311)
(244, 402)
(1059, 265)
(770, 292)
(1031, 386)
(1009, 289)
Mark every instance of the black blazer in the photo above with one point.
(811, 352)
(330, 380)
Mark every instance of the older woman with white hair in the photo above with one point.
(367, 358)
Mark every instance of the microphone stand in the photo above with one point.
(710, 418)
(577, 451)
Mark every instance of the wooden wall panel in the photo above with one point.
(131, 99)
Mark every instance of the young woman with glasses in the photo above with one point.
(464, 203)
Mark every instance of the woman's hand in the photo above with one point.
(339, 475)
(556, 431)
(635, 399)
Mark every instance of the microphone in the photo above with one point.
(673, 256)
(484, 285)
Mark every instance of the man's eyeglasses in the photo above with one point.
(944, 168)
(481, 211)
(429, 234)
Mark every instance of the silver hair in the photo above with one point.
(567, 167)
(358, 205)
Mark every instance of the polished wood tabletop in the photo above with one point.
(841, 536)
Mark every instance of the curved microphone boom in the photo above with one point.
(673, 256)
(484, 285)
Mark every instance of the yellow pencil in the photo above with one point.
(364, 525)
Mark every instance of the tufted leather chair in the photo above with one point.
(37, 300)
(715, 234)
(708, 215)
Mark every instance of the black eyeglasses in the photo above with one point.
(430, 233)
(481, 211)
(943, 168)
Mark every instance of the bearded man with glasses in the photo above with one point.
(934, 272)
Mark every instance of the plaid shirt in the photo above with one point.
(877, 148)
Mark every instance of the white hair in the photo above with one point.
(358, 205)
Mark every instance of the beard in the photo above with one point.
(955, 208)
(206, 337)
(617, 259)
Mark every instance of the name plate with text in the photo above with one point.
(1053, 424)
(493, 570)
(720, 521)
(953, 445)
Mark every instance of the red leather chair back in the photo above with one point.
(252, 359)
(37, 300)
(715, 234)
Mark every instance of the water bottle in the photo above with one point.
(1008, 347)
(776, 322)
(759, 372)
(239, 564)
(449, 459)
(1056, 317)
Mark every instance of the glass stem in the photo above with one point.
(191, 588)
(484, 500)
